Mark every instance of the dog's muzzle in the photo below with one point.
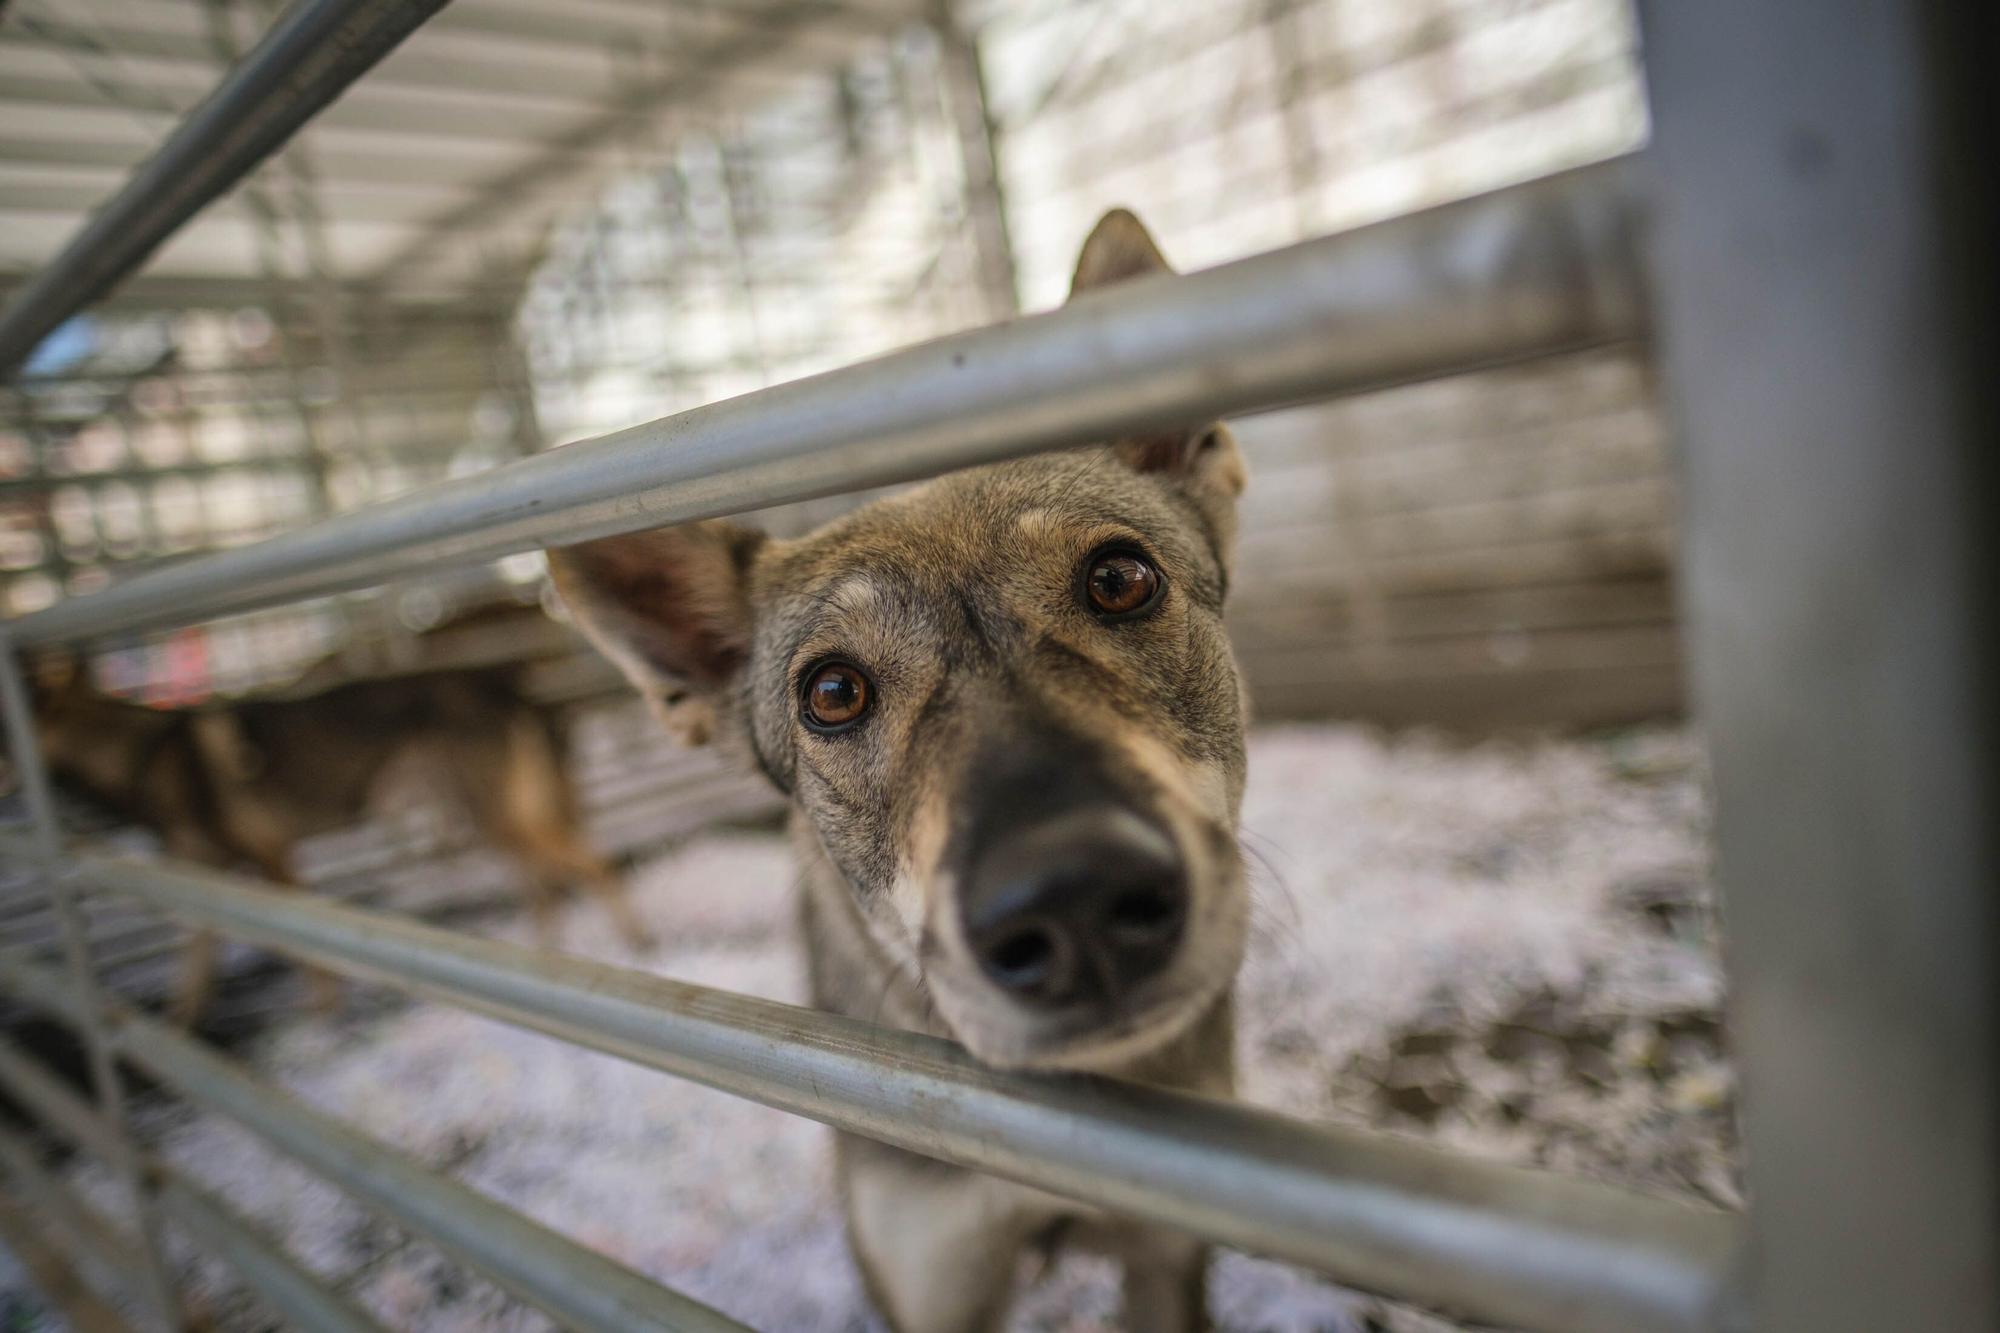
(1078, 910)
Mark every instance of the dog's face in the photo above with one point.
(1004, 705)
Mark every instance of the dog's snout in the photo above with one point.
(1080, 908)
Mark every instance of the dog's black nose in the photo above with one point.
(1079, 908)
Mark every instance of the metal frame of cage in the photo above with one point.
(1822, 353)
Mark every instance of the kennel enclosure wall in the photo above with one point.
(1886, 830)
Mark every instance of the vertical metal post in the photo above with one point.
(55, 561)
(332, 313)
(1284, 25)
(979, 156)
(1827, 294)
(17, 711)
(517, 380)
(729, 182)
(263, 209)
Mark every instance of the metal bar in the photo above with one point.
(44, 850)
(265, 218)
(583, 1289)
(1528, 271)
(1829, 285)
(82, 1309)
(116, 1260)
(56, 1105)
(274, 1275)
(290, 1290)
(593, 34)
(309, 56)
(1500, 1242)
(963, 79)
(299, 1295)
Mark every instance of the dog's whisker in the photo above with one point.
(1276, 918)
(1267, 879)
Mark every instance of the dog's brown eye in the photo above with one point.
(1121, 583)
(836, 696)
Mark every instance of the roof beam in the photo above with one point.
(17, 150)
(666, 23)
(379, 113)
(387, 208)
(571, 78)
(423, 71)
(337, 167)
(341, 205)
(221, 291)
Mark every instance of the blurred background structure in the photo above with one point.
(528, 227)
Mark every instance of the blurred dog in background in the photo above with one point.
(242, 784)
(1011, 729)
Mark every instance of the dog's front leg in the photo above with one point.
(1166, 1283)
(938, 1246)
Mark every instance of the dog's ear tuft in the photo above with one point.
(1206, 458)
(671, 609)
(1118, 247)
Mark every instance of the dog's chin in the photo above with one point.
(1084, 1041)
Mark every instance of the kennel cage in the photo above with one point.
(1491, 549)
(1835, 596)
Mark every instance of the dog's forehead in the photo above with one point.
(956, 530)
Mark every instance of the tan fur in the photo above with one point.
(963, 605)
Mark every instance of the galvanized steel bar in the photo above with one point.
(44, 850)
(1828, 287)
(1499, 1242)
(30, 1083)
(1532, 270)
(52, 1273)
(581, 1288)
(307, 59)
(274, 1275)
(112, 1256)
(290, 1290)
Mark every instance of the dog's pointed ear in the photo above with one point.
(671, 609)
(1118, 247)
(1204, 462)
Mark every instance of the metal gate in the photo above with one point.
(1819, 276)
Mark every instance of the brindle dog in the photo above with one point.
(1011, 728)
(245, 783)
